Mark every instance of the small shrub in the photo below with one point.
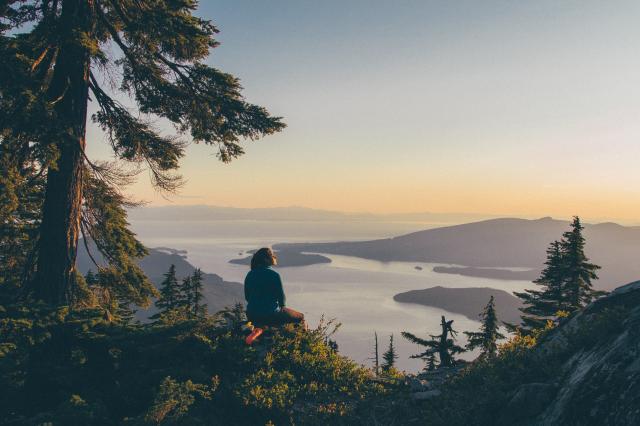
(174, 398)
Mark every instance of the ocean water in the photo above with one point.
(357, 293)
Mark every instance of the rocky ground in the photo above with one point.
(426, 385)
(586, 371)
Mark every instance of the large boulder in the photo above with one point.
(599, 382)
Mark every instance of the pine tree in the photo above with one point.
(170, 297)
(544, 304)
(376, 357)
(578, 272)
(56, 56)
(185, 296)
(389, 357)
(198, 308)
(486, 339)
(441, 344)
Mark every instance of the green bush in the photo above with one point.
(78, 368)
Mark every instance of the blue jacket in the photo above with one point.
(263, 291)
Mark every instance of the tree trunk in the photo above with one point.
(445, 360)
(61, 212)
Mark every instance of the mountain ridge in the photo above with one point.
(294, 213)
(494, 243)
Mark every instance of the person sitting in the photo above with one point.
(265, 295)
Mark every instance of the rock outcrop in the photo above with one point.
(599, 380)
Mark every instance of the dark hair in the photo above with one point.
(263, 258)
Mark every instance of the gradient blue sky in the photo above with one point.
(504, 107)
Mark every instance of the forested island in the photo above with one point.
(466, 301)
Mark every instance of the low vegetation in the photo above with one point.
(78, 368)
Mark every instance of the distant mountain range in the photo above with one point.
(294, 213)
(498, 243)
(218, 293)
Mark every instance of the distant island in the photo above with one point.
(288, 258)
(494, 273)
(482, 247)
(465, 301)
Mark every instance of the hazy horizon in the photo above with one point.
(417, 216)
(522, 109)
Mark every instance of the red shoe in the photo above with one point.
(253, 336)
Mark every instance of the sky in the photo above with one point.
(515, 108)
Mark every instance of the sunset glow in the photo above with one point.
(527, 108)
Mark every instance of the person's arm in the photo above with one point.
(279, 291)
(247, 290)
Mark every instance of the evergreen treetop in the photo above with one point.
(565, 283)
(197, 306)
(181, 300)
(578, 271)
(170, 294)
(390, 356)
(544, 304)
(486, 339)
(185, 294)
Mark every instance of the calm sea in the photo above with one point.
(356, 292)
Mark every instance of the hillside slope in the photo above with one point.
(74, 368)
(585, 371)
(499, 243)
(218, 292)
(600, 381)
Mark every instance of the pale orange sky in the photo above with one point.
(508, 108)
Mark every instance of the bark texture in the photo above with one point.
(69, 90)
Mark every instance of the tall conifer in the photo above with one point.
(170, 297)
(198, 307)
(185, 296)
(543, 304)
(578, 271)
(56, 56)
(390, 356)
(566, 282)
(486, 339)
